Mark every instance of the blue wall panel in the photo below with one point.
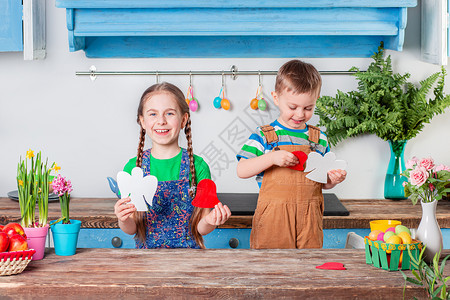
(11, 25)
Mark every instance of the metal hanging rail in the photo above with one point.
(233, 72)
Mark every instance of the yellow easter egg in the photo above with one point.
(406, 237)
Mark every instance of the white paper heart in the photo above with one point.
(319, 165)
(141, 189)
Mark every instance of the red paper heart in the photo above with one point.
(302, 157)
(206, 196)
(332, 266)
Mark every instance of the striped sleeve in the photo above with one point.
(253, 147)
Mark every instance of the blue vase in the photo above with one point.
(393, 183)
(65, 237)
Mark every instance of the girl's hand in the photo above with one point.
(283, 158)
(336, 176)
(219, 215)
(123, 209)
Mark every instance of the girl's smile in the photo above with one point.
(162, 120)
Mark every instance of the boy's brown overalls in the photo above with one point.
(290, 206)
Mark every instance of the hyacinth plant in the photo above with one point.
(33, 176)
(63, 188)
(426, 181)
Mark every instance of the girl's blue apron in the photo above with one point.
(167, 221)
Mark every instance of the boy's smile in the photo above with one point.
(295, 109)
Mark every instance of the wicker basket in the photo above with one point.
(14, 262)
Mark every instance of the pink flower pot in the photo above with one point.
(36, 237)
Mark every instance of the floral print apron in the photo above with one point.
(167, 221)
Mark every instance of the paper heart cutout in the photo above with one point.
(302, 157)
(206, 196)
(332, 266)
(141, 189)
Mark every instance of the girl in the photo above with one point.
(172, 221)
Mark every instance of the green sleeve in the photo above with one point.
(130, 165)
(201, 169)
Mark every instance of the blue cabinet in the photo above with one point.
(234, 28)
(222, 238)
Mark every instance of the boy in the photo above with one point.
(290, 206)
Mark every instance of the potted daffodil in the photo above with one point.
(33, 176)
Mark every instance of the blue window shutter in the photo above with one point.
(11, 25)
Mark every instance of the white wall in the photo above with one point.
(89, 128)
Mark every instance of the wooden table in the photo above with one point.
(188, 273)
(99, 213)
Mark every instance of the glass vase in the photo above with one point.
(393, 183)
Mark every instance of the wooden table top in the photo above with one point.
(224, 274)
(99, 213)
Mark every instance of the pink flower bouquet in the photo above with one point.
(426, 181)
(63, 187)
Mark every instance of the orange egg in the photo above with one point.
(187, 101)
(225, 103)
(373, 235)
(254, 103)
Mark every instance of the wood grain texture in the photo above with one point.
(188, 273)
(99, 213)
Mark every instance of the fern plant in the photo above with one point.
(384, 104)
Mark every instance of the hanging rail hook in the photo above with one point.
(234, 70)
(92, 73)
(259, 77)
(223, 78)
(190, 78)
(157, 77)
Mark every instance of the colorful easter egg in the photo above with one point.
(262, 105)
(254, 103)
(225, 103)
(217, 102)
(188, 100)
(193, 105)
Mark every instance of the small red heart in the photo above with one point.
(332, 266)
(302, 157)
(206, 196)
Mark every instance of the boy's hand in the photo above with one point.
(123, 210)
(336, 176)
(283, 158)
(219, 215)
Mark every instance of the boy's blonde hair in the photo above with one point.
(298, 77)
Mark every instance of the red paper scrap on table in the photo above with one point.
(332, 266)
(206, 196)
(302, 157)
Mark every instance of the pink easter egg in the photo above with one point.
(391, 229)
(380, 237)
(193, 105)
